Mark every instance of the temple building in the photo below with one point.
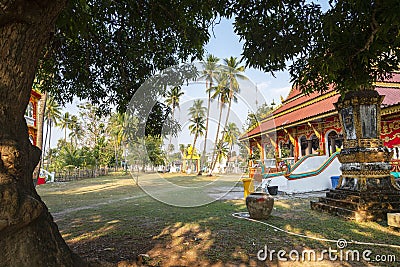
(31, 115)
(309, 124)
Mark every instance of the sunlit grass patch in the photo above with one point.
(120, 222)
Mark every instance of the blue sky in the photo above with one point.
(223, 44)
(260, 88)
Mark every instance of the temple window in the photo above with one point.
(303, 145)
(284, 150)
(335, 142)
(269, 151)
(314, 144)
(255, 152)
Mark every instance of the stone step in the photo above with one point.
(355, 197)
(357, 215)
(338, 211)
(363, 193)
(339, 195)
(352, 205)
(361, 205)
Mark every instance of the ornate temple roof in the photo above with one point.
(299, 108)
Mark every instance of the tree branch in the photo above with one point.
(375, 28)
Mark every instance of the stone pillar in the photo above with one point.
(366, 190)
(365, 161)
(333, 145)
(262, 151)
(309, 147)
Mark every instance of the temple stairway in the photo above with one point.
(359, 206)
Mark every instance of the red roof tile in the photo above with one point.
(295, 91)
(318, 108)
(392, 97)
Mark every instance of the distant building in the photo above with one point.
(31, 115)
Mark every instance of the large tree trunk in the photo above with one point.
(28, 235)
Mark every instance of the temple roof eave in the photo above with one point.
(289, 125)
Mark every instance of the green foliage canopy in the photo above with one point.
(351, 44)
(103, 51)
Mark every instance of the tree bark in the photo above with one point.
(28, 235)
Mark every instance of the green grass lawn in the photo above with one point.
(111, 220)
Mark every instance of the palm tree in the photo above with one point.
(222, 151)
(234, 72)
(64, 123)
(197, 128)
(197, 110)
(197, 114)
(210, 70)
(182, 150)
(115, 129)
(76, 130)
(172, 99)
(231, 136)
(52, 115)
(221, 92)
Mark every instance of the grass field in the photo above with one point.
(112, 221)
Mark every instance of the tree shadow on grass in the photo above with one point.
(209, 235)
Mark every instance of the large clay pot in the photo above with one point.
(259, 205)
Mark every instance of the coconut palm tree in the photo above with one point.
(52, 115)
(182, 150)
(115, 129)
(221, 92)
(76, 130)
(172, 99)
(234, 72)
(222, 149)
(210, 70)
(196, 128)
(197, 113)
(64, 123)
(197, 110)
(231, 136)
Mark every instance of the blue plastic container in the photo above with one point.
(334, 181)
